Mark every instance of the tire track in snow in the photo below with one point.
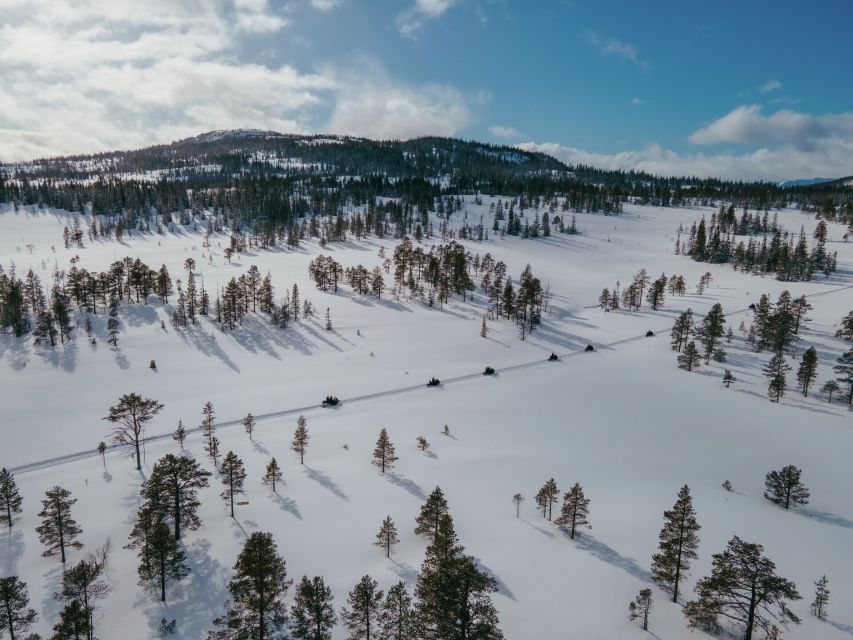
(82, 455)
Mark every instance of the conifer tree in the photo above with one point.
(172, 491)
(233, 477)
(249, 424)
(775, 371)
(785, 488)
(273, 475)
(256, 609)
(397, 620)
(300, 438)
(58, 530)
(640, 607)
(387, 538)
(517, 499)
(807, 372)
(328, 324)
(574, 511)
(84, 583)
(681, 330)
(713, 328)
(361, 617)
(431, 512)
(16, 616)
(547, 497)
(821, 598)
(729, 378)
(180, 434)
(830, 387)
(312, 616)
(678, 544)
(743, 588)
(130, 415)
(423, 445)
(383, 454)
(212, 449)
(844, 369)
(10, 498)
(208, 427)
(690, 359)
(161, 557)
(73, 623)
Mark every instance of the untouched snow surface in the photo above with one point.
(623, 421)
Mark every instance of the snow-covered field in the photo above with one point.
(623, 421)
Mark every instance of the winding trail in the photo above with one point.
(82, 455)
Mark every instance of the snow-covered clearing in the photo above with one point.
(623, 421)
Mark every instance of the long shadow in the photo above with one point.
(844, 628)
(409, 485)
(287, 504)
(198, 599)
(50, 606)
(502, 588)
(201, 340)
(326, 482)
(61, 355)
(13, 542)
(609, 555)
(405, 571)
(544, 532)
(828, 518)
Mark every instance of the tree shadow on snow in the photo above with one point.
(828, 518)
(609, 555)
(405, 571)
(13, 543)
(326, 482)
(844, 628)
(286, 504)
(502, 588)
(409, 485)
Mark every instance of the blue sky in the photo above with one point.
(747, 89)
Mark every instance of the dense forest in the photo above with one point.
(251, 176)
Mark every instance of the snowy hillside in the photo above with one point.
(622, 420)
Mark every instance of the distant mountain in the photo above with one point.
(805, 182)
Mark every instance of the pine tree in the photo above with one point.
(574, 511)
(300, 438)
(383, 454)
(130, 415)
(821, 598)
(16, 616)
(690, 359)
(361, 617)
(84, 583)
(208, 427)
(547, 497)
(180, 434)
(249, 424)
(728, 378)
(484, 330)
(785, 488)
(423, 445)
(233, 476)
(172, 491)
(312, 616)
(681, 330)
(58, 530)
(830, 387)
(387, 538)
(273, 475)
(640, 607)
(517, 499)
(212, 450)
(743, 588)
(73, 623)
(328, 324)
(397, 620)
(431, 513)
(256, 609)
(844, 369)
(10, 498)
(807, 373)
(713, 328)
(775, 371)
(678, 544)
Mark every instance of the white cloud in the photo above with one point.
(413, 18)
(784, 163)
(770, 85)
(504, 132)
(370, 104)
(637, 101)
(618, 48)
(84, 76)
(326, 5)
(747, 125)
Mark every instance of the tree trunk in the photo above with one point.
(750, 620)
(162, 578)
(11, 627)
